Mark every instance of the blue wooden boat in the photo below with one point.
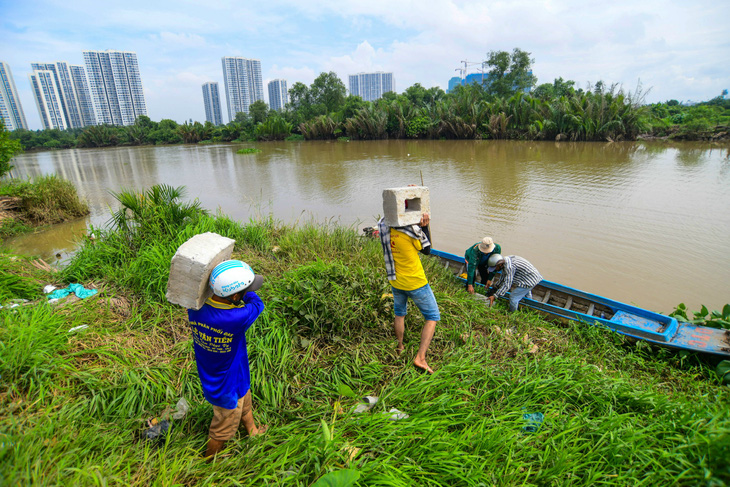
(573, 304)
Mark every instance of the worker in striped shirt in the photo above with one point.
(516, 274)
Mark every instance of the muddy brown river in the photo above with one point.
(646, 223)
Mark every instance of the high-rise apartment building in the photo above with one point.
(371, 86)
(65, 90)
(212, 101)
(116, 86)
(11, 110)
(83, 96)
(243, 83)
(278, 94)
(48, 99)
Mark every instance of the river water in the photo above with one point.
(647, 223)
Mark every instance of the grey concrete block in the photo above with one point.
(394, 205)
(191, 267)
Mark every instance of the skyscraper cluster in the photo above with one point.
(371, 86)
(109, 91)
(65, 98)
(243, 85)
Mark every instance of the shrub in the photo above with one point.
(47, 200)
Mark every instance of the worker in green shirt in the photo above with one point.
(477, 257)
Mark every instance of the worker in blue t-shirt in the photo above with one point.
(219, 336)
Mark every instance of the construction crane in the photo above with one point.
(465, 69)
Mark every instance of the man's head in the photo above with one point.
(486, 245)
(495, 262)
(232, 279)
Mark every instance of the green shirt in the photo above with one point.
(473, 256)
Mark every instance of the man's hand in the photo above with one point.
(425, 220)
(491, 300)
(470, 288)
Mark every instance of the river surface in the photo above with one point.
(647, 223)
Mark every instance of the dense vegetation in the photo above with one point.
(509, 104)
(74, 404)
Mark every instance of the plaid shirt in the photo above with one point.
(413, 231)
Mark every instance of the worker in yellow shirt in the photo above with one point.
(401, 246)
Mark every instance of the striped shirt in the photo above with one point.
(517, 272)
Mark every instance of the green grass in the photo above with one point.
(248, 150)
(72, 406)
(43, 201)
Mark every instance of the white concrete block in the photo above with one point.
(191, 267)
(404, 206)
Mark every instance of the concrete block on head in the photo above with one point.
(404, 206)
(191, 267)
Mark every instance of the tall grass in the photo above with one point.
(46, 200)
(73, 405)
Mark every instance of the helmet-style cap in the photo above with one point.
(233, 276)
(493, 259)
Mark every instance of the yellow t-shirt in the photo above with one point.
(408, 269)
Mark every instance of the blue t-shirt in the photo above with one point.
(219, 336)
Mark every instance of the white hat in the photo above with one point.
(486, 245)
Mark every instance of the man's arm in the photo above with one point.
(425, 220)
(471, 265)
(427, 231)
(254, 307)
(508, 273)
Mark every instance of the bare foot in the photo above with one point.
(422, 365)
(259, 431)
(399, 349)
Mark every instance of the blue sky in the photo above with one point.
(677, 49)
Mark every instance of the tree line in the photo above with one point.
(509, 104)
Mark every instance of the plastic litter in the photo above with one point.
(49, 288)
(396, 415)
(367, 404)
(77, 328)
(77, 289)
(158, 429)
(14, 303)
(181, 409)
(534, 421)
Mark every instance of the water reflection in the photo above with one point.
(617, 219)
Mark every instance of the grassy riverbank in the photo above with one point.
(73, 405)
(25, 205)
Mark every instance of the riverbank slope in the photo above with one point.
(75, 404)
